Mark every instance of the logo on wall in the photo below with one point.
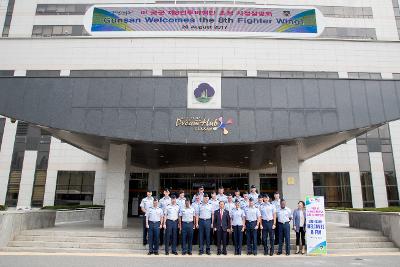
(204, 124)
(223, 125)
(204, 93)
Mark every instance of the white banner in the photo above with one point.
(315, 225)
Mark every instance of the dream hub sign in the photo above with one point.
(203, 20)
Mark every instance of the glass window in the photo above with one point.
(335, 187)
(190, 182)
(391, 188)
(364, 162)
(2, 125)
(367, 189)
(268, 183)
(75, 187)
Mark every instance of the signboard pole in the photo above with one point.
(315, 226)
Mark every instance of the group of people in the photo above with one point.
(206, 218)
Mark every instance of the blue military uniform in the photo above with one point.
(145, 204)
(154, 217)
(252, 215)
(205, 215)
(181, 202)
(237, 216)
(284, 216)
(222, 197)
(267, 215)
(187, 215)
(171, 234)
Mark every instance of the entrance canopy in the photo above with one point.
(151, 114)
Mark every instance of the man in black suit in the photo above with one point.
(222, 225)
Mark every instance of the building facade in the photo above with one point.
(92, 119)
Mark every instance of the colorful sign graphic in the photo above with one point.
(204, 124)
(223, 125)
(200, 20)
(204, 93)
(315, 225)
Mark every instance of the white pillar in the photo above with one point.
(50, 187)
(356, 191)
(117, 186)
(378, 180)
(154, 181)
(254, 179)
(27, 180)
(51, 176)
(7, 148)
(288, 170)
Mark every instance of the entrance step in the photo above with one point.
(80, 238)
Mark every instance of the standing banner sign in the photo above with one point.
(315, 225)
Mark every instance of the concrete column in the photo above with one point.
(7, 148)
(356, 191)
(27, 180)
(117, 186)
(50, 187)
(288, 171)
(154, 181)
(254, 179)
(378, 180)
(51, 176)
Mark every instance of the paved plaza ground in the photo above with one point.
(8, 259)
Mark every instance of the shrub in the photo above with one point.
(71, 207)
(3, 207)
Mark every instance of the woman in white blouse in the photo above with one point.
(299, 225)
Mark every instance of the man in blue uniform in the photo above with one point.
(154, 217)
(253, 193)
(187, 222)
(163, 203)
(258, 205)
(171, 215)
(238, 222)
(200, 193)
(221, 196)
(284, 215)
(253, 218)
(277, 203)
(205, 218)
(145, 204)
(196, 205)
(268, 216)
(237, 195)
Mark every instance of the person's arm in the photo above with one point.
(213, 222)
(165, 220)
(147, 221)
(212, 219)
(142, 206)
(274, 216)
(243, 222)
(162, 219)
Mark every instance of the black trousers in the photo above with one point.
(145, 230)
(276, 234)
(221, 239)
(301, 234)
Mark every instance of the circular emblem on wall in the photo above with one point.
(204, 93)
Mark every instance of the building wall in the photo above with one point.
(20, 53)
